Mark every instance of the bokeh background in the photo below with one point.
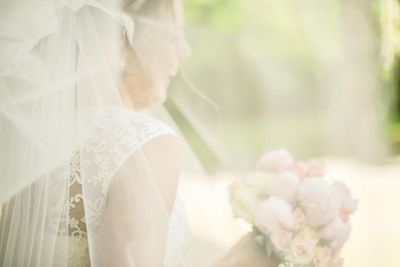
(318, 77)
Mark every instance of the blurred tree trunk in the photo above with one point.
(355, 114)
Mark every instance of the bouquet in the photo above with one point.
(298, 215)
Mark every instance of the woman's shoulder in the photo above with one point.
(125, 125)
(118, 133)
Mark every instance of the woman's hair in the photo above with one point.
(152, 8)
(154, 54)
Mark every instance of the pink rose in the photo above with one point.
(281, 240)
(336, 232)
(302, 250)
(323, 257)
(273, 215)
(284, 186)
(275, 161)
(348, 203)
(318, 200)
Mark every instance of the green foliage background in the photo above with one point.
(232, 40)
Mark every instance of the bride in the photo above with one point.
(87, 177)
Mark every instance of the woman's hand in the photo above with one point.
(246, 253)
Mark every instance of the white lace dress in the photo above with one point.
(79, 251)
(60, 62)
(78, 248)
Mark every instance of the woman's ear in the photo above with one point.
(135, 82)
(140, 89)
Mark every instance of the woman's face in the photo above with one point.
(159, 44)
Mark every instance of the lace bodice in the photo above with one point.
(78, 246)
(124, 131)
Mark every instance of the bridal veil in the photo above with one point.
(78, 170)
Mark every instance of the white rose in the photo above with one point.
(275, 161)
(310, 233)
(273, 214)
(319, 201)
(284, 186)
(260, 182)
(244, 201)
(302, 250)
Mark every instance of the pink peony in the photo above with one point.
(273, 215)
(319, 201)
(284, 186)
(275, 161)
(348, 203)
(300, 169)
(336, 232)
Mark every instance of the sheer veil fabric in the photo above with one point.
(84, 181)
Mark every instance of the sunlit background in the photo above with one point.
(318, 77)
